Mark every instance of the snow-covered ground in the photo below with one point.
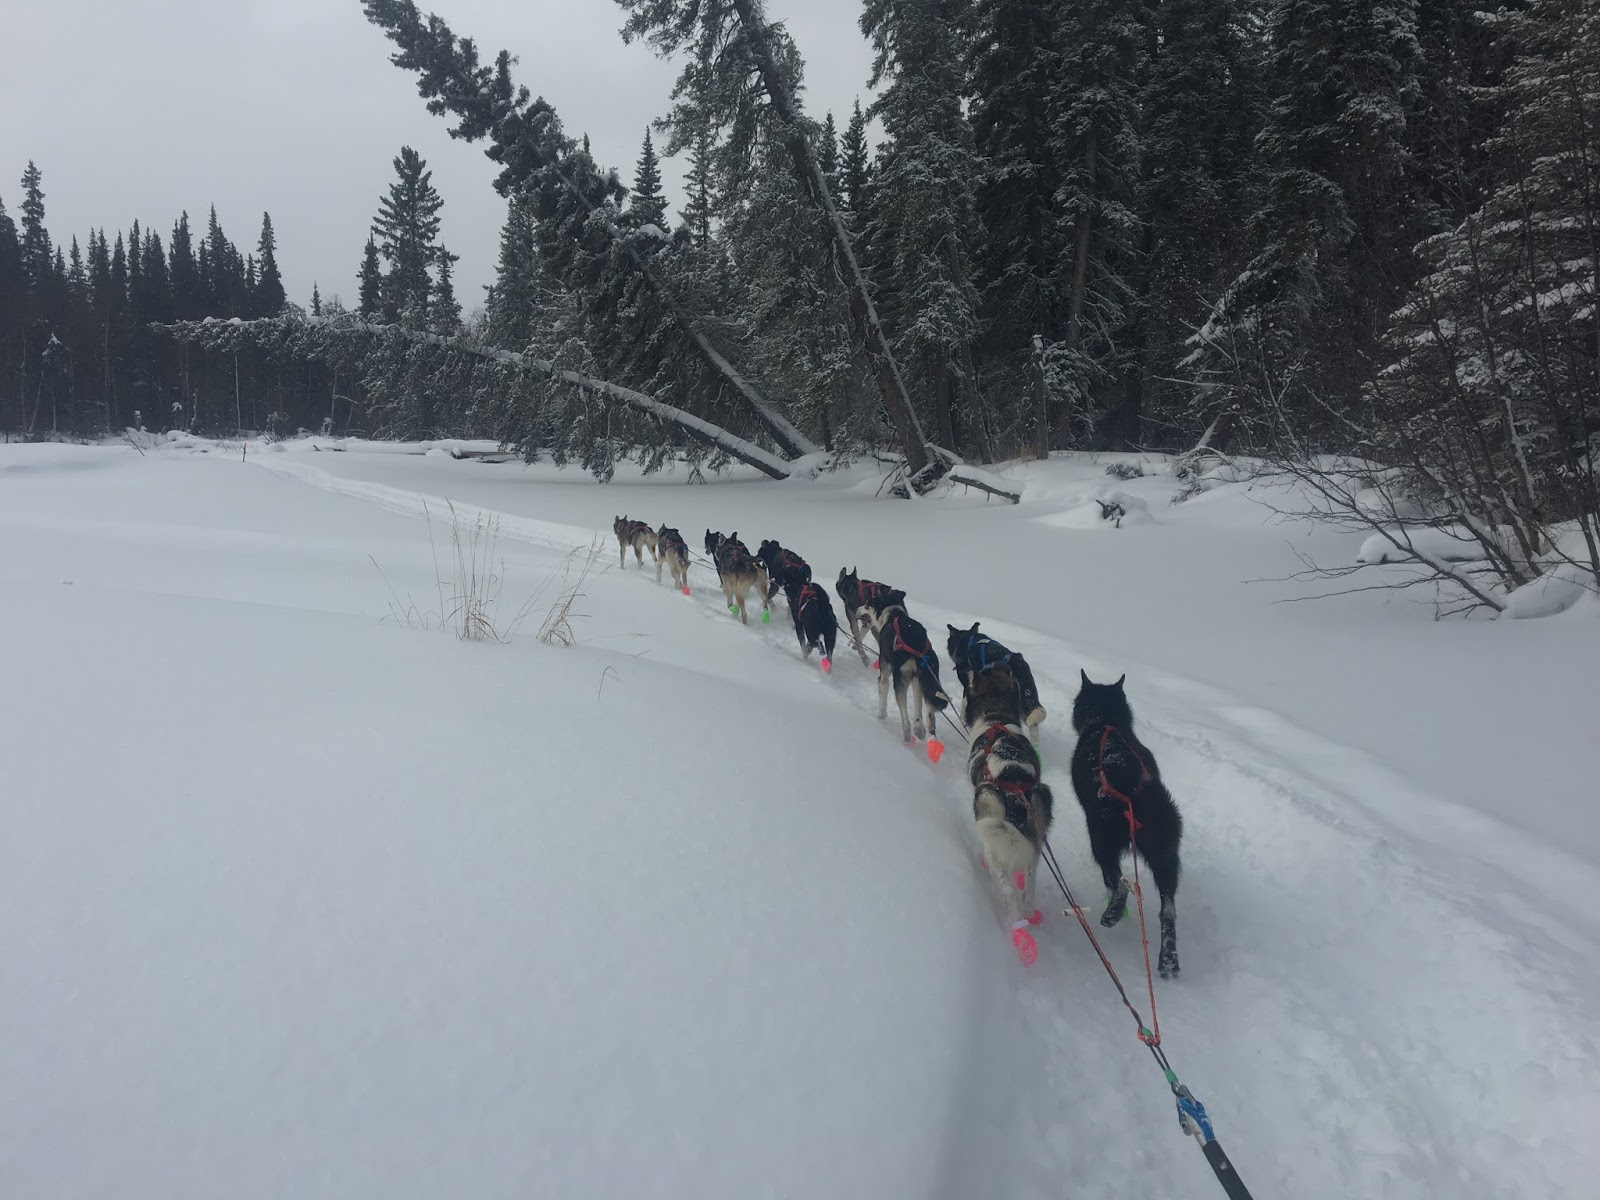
(297, 900)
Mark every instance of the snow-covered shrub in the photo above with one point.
(1125, 470)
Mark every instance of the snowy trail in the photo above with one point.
(1383, 994)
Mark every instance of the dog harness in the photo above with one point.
(922, 656)
(980, 646)
(807, 596)
(793, 562)
(1108, 789)
(1018, 790)
(674, 542)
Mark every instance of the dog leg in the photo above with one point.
(1107, 850)
(743, 620)
(855, 632)
(883, 691)
(918, 704)
(900, 687)
(1164, 869)
(1167, 962)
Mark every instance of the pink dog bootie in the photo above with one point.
(1027, 948)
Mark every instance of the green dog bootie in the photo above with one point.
(766, 617)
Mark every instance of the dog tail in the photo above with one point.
(932, 690)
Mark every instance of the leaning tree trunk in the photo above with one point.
(453, 80)
(863, 313)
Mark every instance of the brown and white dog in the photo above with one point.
(636, 534)
(856, 594)
(673, 551)
(739, 571)
(1010, 804)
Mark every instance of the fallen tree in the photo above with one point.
(345, 341)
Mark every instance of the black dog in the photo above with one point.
(905, 659)
(974, 654)
(814, 622)
(784, 567)
(1115, 775)
(857, 594)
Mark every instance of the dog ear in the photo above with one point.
(951, 627)
(974, 627)
(1086, 680)
(1118, 684)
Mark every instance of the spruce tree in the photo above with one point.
(1332, 236)
(647, 205)
(1202, 110)
(519, 280)
(855, 170)
(99, 275)
(925, 216)
(13, 280)
(696, 214)
(370, 304)
(184, 273)
(157, 279)
(1012, 67)
(406, 228)
(316, 300)
(269, 295)
(77, 277)
(36, 264)
(445, 311)
(1095, 143)
(828, 151)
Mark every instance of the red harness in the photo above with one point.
(900, 642)
(1107, 788)
(993, 735)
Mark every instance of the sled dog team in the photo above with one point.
(1114, 775)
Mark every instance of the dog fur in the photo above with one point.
(638, 535)
(674, 554)
(973, 654)
(1118, 759)
(1012, 807)
(814, 623)
(738, 571)
(784, 567)
(907, 660)
(854, 594)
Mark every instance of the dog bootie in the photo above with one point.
(766, 617)
(1035, 917)
(686, 589)
(1027, 948)
(827, 665)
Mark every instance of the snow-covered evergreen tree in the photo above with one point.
(1332, 237)
(370, 291)
(647, 205)
(445, 310)
(1096, 146)
(269, 295)
(407, 230)
(36, 264)
(1202, 109)
(925, 216)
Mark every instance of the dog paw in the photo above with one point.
(1027, 948)
(1112, 915)
(1035, 917)
(1168, 966)
(919, 731)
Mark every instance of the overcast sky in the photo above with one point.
(142, 110)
